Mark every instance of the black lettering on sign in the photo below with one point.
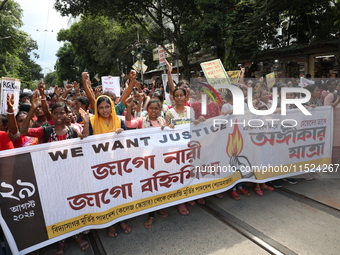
(75, 152)
(100, 146)
(9, 85)
(57, 154)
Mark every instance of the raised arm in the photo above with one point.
(139, 105)
(170, 81)
(129, 103)
(76, 86)
(146, 101)
(67, 89)
(12, 123)
(242, 75)
(41, 89)
(85, 79)
(128, 90)
(85, 115)
(35, 103)
(57, 92)
(153, 83)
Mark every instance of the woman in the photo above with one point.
(314, 92)
(105, 120)
(15, 123)
(263, 102)
(179, 111)
(153, 119)
(71, 115)
(179, 114)
(158, 95)
(122, 102)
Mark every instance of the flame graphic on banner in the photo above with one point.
(235, 142)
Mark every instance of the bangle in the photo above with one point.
(41, 99)
(23, 131)
(62, 98)
(9, 112)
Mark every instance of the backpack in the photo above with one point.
(48, 132)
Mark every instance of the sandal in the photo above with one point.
(83, 244)
(192, 203)
(259, 191)
(244, 192)
(201, 201)
(111, 231)
(163, 213)
(149, 222)
(61, 248)
(219, 195)
(183, 210)
(125, 228)
(235, 196)
(264, 186)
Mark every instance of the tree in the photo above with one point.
(15, 46)
(51, 79)
(96, 43)
(66, 65)
(164, 21)
(229, 27)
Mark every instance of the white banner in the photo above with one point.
(55, 190)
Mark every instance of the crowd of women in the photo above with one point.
(74, 112)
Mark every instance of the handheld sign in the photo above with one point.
(161, 56)
(9, 86)
(270, 78)
(111, 83)
(215, 73)
(234, 76)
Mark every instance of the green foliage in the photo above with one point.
(163, 21)
(232, 28)
(51, 79)
(97, 42)
(16, 46)
(66, 66)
